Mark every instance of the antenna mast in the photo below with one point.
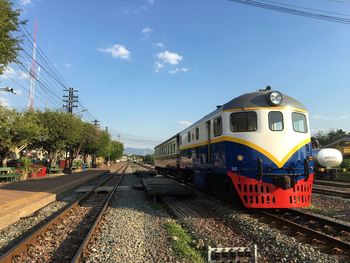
(33, 71)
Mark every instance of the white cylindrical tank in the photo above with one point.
(327, 157)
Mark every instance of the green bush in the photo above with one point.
(345, 164)
(26, 164)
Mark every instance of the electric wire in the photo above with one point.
(50, 70)
(293, 11)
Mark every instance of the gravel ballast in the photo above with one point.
(132, 229)
(273, 244)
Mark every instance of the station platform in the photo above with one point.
(21, 199)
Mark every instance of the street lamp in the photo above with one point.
(80, 115)
(8, 89)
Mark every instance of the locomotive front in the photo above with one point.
(269, 150)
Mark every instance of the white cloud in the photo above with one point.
(158, 66)
(147, 30)
(4, 102)
(117, 51)
(160, 45)
(25, 2)
(68, 65)
(133, 11)
(151, 2)
(11, 73)
(178, 70)
(184, 123)
(169, 57)
(23, 75)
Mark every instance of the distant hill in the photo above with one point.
(138, 151)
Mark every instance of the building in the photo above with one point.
(342, 144)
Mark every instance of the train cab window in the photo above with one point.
(197, 133)
(217, 123)
(276, 121)
(243, 121)
(299, 122)
(189, 136)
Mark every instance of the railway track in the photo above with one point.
(338, 184)
(333, 191)
(65, 237)
(331, 236)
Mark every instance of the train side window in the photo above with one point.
(189, 136)
(174, 148)
(276, 121)
(299, 122)
(192, 136)
(243, 121)
(217, 126)
(197, 133)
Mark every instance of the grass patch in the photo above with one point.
(326, 212)
(182, 242)
(343, 176)
(157, 206)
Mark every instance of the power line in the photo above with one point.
(305, 8)
(43, 55)
(24, 88)
(293, 11)
(58, 77)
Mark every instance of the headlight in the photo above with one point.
(240, 157)
(275, 98)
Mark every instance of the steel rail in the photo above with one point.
(330, 241)
(334, 184)
(80, 252)
(147, 167)
(23, 245)
(317, 190)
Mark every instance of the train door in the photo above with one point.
(209, 143)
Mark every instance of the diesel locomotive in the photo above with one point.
(255, 149)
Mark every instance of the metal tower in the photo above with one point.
(33, 71)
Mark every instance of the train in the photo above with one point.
(326, 162)
(254, 150)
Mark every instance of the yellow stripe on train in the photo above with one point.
(253, 146)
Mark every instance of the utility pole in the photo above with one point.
(96, 123)
(70, 100)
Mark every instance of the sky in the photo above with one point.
(149, 68)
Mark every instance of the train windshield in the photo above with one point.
(299, 122)
(243, 121)
(275, 121)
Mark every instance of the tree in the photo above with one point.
(116, 150)
(90, 135)
(17, 131)
(104, 144)
(9, 23)
(327, 137)
(149, 158)
(62, 130)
